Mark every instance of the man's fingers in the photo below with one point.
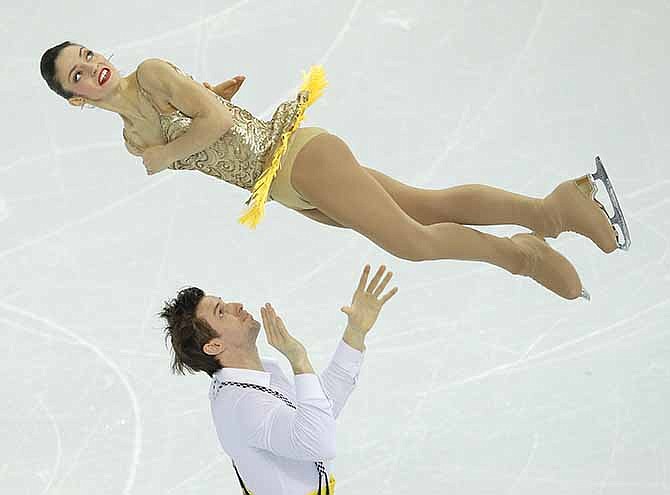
(389, 295)
(283, 333)
(264, 318)
(267, 321)
(275, 330)
(268, 334)
(383, 285)
(271, 311)
(271, 331)
(364, 278)
(280, 325)
(375, 279)
(274, 322)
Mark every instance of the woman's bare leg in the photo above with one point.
(570, 207)
(471, 204)
(319, 216)
(327, 174)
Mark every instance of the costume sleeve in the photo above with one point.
(341, 375)
(304, 433)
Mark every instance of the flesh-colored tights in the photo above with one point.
(412, 223)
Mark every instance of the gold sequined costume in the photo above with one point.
(248, 155)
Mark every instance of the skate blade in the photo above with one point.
(617, 220)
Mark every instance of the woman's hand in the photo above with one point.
(226, 89)
(279, 338)
(366, 303)
(156, 159)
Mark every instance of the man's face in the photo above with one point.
(86, 73)
(236, 329)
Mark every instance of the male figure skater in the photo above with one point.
(279, 433)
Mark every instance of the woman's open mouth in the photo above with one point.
(104, 76)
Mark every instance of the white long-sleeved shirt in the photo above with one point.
(273, 445)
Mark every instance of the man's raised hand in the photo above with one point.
(279, 338)
(366, 301)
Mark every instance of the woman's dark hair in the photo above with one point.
(187, 334)
(48, 69)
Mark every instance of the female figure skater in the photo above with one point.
(173, 122)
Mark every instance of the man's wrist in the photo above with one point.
(301, 365)
(354, 338)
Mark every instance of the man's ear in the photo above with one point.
(213, 347)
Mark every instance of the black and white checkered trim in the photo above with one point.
(219, 385)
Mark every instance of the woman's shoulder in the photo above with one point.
(156, 69)
(153, 64)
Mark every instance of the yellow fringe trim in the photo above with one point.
(314, 82)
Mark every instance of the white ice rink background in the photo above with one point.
(475, 381)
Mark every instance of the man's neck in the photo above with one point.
(249, 361)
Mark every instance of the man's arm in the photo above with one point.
(263, 421)
(340, 377)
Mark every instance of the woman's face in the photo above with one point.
(85, 73)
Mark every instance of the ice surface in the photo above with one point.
(475, 381)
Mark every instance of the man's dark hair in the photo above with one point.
(48, 69)
(187, 334)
